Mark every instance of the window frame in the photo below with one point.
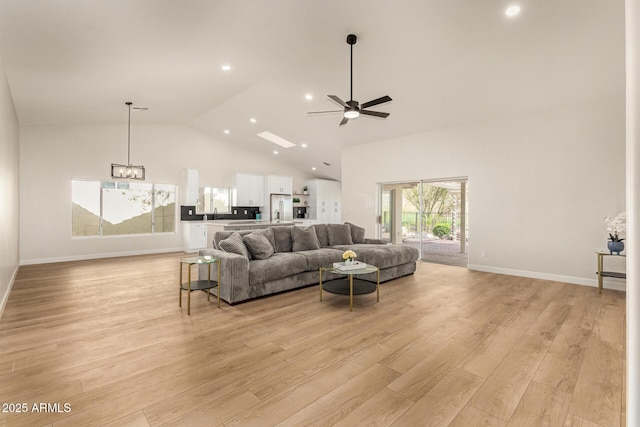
(101, 219)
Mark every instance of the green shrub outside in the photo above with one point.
(441, 230)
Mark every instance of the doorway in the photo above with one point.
(431, 215)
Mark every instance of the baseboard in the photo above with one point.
(97, 256)
(615, 284)
(5, 297)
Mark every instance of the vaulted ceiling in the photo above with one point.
(444, 63)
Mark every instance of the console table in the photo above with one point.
(603, 273)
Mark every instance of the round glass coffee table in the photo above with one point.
(348, 286)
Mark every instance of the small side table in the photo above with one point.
(602, 273)
(198, 285)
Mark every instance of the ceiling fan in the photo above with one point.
(352, 109)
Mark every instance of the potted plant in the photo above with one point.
(349, 256)
(614, 226)
(305, 190)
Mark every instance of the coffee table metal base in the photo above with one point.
(349, 286)
(341, 286)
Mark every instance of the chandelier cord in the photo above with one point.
(129, 137)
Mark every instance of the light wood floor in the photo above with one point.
(446, 346)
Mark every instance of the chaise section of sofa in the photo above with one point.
(297, 255)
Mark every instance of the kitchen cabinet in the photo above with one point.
(249, 190)
(325, 201)
(280, 184)
(194, 236)
(192, 187)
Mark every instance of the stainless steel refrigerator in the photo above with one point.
(281, 207)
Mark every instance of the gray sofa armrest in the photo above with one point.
(372, 241)
(234, 273)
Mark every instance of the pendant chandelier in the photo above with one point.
(127, 171)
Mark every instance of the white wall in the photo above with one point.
(9, 191)
(51, 156)
(539, 184)
(632, 29)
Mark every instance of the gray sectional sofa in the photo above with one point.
(256, 263)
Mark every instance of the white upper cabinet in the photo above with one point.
(280, 184)
(249, 190)
(192, 187)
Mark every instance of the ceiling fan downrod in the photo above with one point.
(351, 39)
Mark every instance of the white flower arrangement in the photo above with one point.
(616, 225)
(349, 255)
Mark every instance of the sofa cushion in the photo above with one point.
(383, 256)
(357, 233)
(323, 257)
(304, 239)
(321, 232)
(221, 235)
(258, 245)
(278, 266)
(268, 233)
(234, 244)
(339, 234)
(282, 238)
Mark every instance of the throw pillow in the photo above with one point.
(304, 239)
(339, 234)
(357, 233)
(268, 232)
(234, 244)
(282, 237)
(258, 245)
(321, 232)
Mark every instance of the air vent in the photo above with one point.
(327, 164)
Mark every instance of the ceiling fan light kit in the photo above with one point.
(128, 171)
(352, 109)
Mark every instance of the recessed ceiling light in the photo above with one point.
(275, 152)
(512, 10)
(227, 131)
(226, 67)
(313, 168)
(308, 97)
(276, 139)
(303, 145)
(252, 120)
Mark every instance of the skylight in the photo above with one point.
(276, 139)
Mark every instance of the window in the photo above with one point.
(164, 211)
(110, 208)
(213, 199)
(85, 212)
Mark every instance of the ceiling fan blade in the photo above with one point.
(374, 113)
(344, 121)
(311, 113)
(380, 100)
(339, 101)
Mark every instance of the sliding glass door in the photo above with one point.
(430, 215)
(387, 217)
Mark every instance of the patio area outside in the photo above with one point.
(440, 251)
